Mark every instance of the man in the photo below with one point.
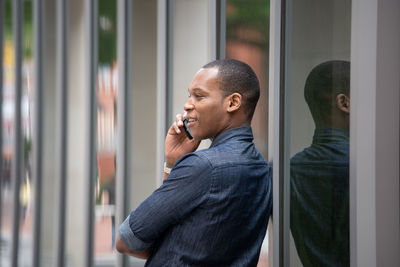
(214, 205)
(319, 204)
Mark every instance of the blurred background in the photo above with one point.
(121, 95)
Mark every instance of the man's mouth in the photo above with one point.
(191, 121)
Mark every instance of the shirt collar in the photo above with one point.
(243, 133)
(330, 134)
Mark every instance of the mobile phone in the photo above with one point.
(187, 130)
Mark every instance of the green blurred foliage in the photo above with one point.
(8, 19)
(107, 31)
(242, 14)
(248, 15)
(27, 26)
(27, 148)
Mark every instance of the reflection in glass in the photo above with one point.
(316, 139)
(319, 184)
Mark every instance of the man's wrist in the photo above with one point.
(167, 168)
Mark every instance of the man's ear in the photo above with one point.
(343, 103)
(234, 102)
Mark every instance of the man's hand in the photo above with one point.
(177, 143)
(122, 248)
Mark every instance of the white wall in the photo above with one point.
(191, 48)
(374, 138)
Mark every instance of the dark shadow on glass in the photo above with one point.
(319, 184)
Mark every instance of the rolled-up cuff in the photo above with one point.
(129, 238)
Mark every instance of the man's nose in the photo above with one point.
(188, 106)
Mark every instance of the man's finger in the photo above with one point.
(176, 128)
(178, 120)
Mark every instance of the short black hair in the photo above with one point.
(323, 84)
(235, 76)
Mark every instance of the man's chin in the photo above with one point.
(197, 136)
(200, 135)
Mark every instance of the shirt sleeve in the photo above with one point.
(129, 238)
(186, 188)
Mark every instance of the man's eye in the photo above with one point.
(197, 96)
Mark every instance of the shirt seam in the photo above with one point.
(212, 178)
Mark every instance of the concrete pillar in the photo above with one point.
(49, 181)
(77, 126)
(144, 102)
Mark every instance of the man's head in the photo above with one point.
(327, 93)
(223, 95)
(237, 77)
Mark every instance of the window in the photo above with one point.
(317, 124)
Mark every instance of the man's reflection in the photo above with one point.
(319, 182)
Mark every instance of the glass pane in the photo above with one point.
(317, 111)
(26, 191)
(247, 39)
(7, 128)
(107, 75)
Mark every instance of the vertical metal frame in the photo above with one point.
(276, 135)
(362, 233)
(213, 29)
(1, 108)
(220, 28)
(374, 133)
(91, 15)
(285, 129)
(124, 114)
(165, 23)
(62, 127)
(217, 13)
(162, 38)
(17, 160)
(38, 17)
(170, 62)
(274, 119)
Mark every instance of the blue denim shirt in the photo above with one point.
(212, 210)
(319, 204)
